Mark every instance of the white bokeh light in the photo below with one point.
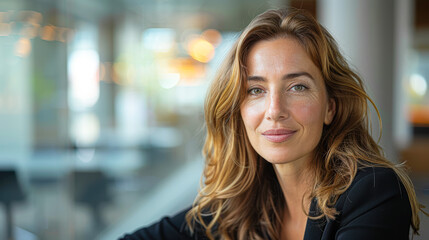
(169, 80)
(83, 69)
(418, 84)
(85, 129)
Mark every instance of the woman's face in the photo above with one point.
(286, 104)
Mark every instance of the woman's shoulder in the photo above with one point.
(375, 182)
(383, 172)
(376, 197)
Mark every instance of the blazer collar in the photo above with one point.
(315, 227)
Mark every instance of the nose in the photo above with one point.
(276, 109)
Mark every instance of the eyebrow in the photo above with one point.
(285, 77)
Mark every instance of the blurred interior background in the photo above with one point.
(101, 102)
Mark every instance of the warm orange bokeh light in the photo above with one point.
(48, 33)
(34, 18)
(30, 31)
(419, 115)
(190, 70)
(5, 29)
(201, 50)
(213, 36)
(23, 47)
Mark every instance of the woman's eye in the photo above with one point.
(255, 91)
(299, 88)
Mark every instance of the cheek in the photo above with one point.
(252, 113)
(308, 112)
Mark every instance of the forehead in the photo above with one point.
(285, 52)
(281, 59)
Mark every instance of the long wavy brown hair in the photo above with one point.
(240, 192)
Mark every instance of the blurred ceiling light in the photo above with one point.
(83, 68)
(23, 47)
(34, 17)
(213, 36)
(48, 33)
(418, 84)
(61, 34)
(159, 39)
(201, 50)
(30, 31)
(33, 20)
(169, 80)
(5, 29)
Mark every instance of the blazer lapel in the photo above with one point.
(315, 227)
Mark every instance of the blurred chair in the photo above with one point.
(90, 188)
(10, 192)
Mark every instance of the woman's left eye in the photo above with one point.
(298, 88)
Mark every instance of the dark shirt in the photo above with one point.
(375, 206)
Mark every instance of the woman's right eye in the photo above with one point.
(255, 91)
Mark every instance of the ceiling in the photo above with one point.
(224, 15)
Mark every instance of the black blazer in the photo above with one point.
(375, 206)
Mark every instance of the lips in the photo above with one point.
(278, 135)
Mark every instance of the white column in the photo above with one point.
(365, 32)
(16, 138)
(403, 44)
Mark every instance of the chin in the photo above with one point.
(277, 159)
(285, 157)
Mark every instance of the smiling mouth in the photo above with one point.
(278, 135)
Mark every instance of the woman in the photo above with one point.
(288, 152)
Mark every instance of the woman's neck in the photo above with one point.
(296, 180)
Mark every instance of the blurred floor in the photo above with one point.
(174, 194)
(55, 206)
